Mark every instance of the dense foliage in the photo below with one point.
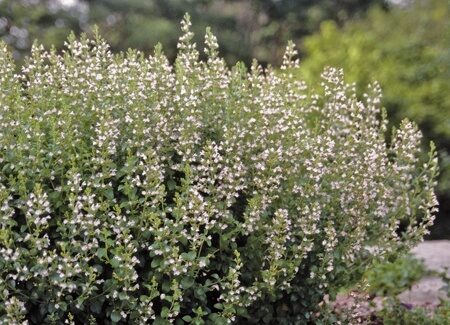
(393, 278)
(132, 190)
(399, 314)
(407, 51)
(246, 28)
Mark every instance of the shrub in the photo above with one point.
(407, 270)
(392, 278)
(395, 313)
(133, 191)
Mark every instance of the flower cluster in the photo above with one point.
(133, 190)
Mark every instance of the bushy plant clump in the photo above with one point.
(133, 191)
(399, 314)
(393, 278)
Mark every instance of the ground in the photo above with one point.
(436, 257)
(426, 293)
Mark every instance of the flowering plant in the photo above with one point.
(134, 191)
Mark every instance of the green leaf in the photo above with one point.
(242, 311)
(54, 196)
(179, 322)
(165, 312)
(115, 263)
(189, 256)
(199, 293)
(217, 319)
(166, 286)
(161, 321)
(98, 267)
(187, 282)
(187, 318)
(156, 262)
(62, 306)
(115, 316)
(109, 193)
(183, 240)
(102, 252)
(171, 185)
(96, 306)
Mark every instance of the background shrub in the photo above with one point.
(132, 190)
(407, 50)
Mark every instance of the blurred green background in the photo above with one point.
(403, 44)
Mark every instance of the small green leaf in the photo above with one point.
(115, 263)
(217, 320)
(109, 193)
(187, 318)
(160, 321)
(54, 196)
(171, 185)
(166, 286)
(189, 256)
(115, 316)
(156, 262)
(123, 296)
(102, 252)
(96, 306)
(187, 282)
(165, 312)
(199, 293)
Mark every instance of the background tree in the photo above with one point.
(49, 21)
(246, 29)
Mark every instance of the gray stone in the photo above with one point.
(427, 292)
